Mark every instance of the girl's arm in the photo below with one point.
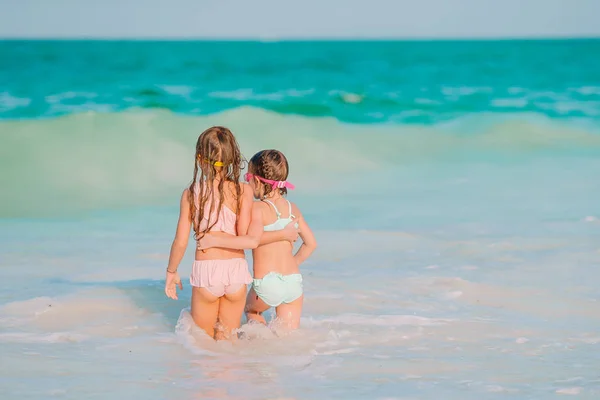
(290, 233)
(243, 221)
(309, 243)
(253, 237)
(251, 240)
(179, 246)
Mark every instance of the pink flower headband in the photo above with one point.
(275, 184)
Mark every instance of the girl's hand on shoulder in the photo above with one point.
(173, 280)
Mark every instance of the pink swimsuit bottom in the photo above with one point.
(221, 277)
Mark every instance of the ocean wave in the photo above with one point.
(388, 81)
(415, 106)
(90, 160)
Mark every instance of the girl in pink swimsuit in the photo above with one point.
(218, 203)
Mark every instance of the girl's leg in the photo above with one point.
(205, 309)
(289, 314)
(255, 307)
(231, 309)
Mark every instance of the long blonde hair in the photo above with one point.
(217, 156)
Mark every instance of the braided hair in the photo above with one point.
(269, 164)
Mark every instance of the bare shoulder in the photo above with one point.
(235, 192)
(247, 196)
(231, 186)
(231, 190)
(260, 206)
(264, 208)
(295, 210)
(185, 195)
(184, 203)
(246, 190)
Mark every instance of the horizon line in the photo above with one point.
(267, 39)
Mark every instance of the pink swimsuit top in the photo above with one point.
(226, 219)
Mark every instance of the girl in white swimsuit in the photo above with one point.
(277, 280)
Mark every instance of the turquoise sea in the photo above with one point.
(453, 187)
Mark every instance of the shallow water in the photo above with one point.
(456, 260)
(387, 315)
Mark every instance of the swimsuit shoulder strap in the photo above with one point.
(290, 215)
(274, 208)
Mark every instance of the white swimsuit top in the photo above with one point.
(281, 222)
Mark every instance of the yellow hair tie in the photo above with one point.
(215, 163)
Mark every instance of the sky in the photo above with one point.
(281, 19)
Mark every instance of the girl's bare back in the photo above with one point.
(278, 256)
